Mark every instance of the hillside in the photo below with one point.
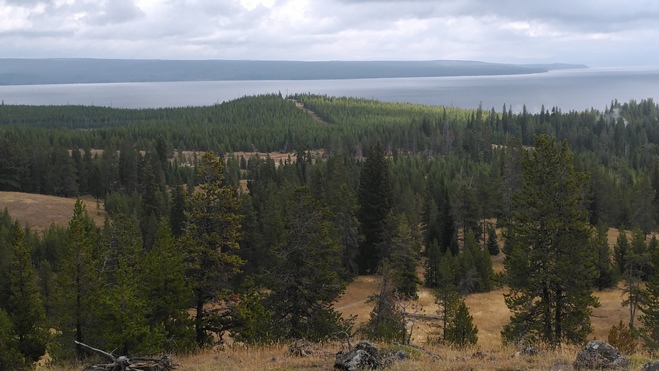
(40, 211)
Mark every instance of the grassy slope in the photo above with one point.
(39, 211)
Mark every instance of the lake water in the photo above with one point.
(567, 89)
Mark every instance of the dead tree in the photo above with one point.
(123, 363)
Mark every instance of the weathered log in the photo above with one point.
(123, 363)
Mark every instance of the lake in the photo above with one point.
(568, 89)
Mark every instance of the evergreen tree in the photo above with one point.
(432, 220)
(305, 279)
(461, 332)
(649, 307)
(177, 217)
(166, 290)
(492, 243)
(375, 202)
(403, 255)
(24, 307)
(432, 273)
(446, 295)
(78, 282)
(449, 240)
(10, 356)
(151, 205)
(386, 322)
(210, 239)
(621, 250)
(123, 311)
(604, 278)
(550, 266)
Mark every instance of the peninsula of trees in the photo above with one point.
(75, 71)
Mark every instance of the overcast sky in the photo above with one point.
(593, 32)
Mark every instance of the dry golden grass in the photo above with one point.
(40, 211)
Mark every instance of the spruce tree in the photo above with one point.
(386, 322)
(649, 307)
(604, 278)
(402, 251)
(461, 331)
(375, 202)
(210, 241)
(78, 283)
(25, 307)
(10, 357)
(123, 311)
(550, 266)
(621, 250)
(166, 292)
(492, 242)
(434, 256)
(305, 279)
(446, 294)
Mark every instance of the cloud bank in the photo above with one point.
(598, 33)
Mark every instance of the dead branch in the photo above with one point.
(123, 363)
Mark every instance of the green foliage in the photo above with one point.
(476, 267)
(402, 251)
(605, 271)
(492, 242)
(446, 296)
(305, 279)
(461, 331)
(375, 203)
(254, 322)
(123, 310)
(622, 337)
(10, 355)
(210, 239)
(386, 322)
(621, 250)
(649, 306)
(78, 285)
(550, 265)
(166, 291)
(25, 307)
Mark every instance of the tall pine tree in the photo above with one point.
(550, 266)
(375, 202)
(210, 240)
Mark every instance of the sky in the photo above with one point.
(597, 33)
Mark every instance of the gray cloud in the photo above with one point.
(596, 32)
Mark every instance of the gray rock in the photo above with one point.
(600, 355)
(651, 366)
(390, 358)
(364, 356)
(527, 351)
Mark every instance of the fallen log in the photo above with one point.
(123, 363)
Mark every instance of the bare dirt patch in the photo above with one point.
(40, 211)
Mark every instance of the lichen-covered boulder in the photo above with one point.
(363, 356)
(651, 366)
(599, 355)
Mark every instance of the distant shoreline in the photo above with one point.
(94, 71)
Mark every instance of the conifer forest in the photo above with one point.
(204, 242)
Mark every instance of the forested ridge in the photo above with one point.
(187, 256)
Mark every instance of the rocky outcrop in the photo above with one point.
(599, 355)
(651, 366)
(364, 356)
